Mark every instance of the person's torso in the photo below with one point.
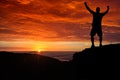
(97, 19)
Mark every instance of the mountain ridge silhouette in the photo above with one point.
(91, 63)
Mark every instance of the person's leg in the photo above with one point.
(92, 34)
(100, 39)
(92, 41)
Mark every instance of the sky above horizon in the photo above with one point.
(54, 24)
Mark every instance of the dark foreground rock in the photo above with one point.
(89, 64)
(99, 62)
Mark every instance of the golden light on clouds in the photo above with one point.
(25, 1)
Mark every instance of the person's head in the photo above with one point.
(98, 9)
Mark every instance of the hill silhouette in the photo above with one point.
(99, 62)
(21, 66)
(91, 63)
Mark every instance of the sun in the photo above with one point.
(39, 50)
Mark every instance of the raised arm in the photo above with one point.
(91, 11)
(106, 10)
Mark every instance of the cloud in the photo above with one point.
(25, 1)
(111, 33)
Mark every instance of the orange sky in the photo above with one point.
(54, 24)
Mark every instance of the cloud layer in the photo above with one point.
(55, 20)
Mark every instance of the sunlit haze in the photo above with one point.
(54, 25)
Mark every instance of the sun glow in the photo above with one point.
(39, 50)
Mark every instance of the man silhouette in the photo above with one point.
(96, 23)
